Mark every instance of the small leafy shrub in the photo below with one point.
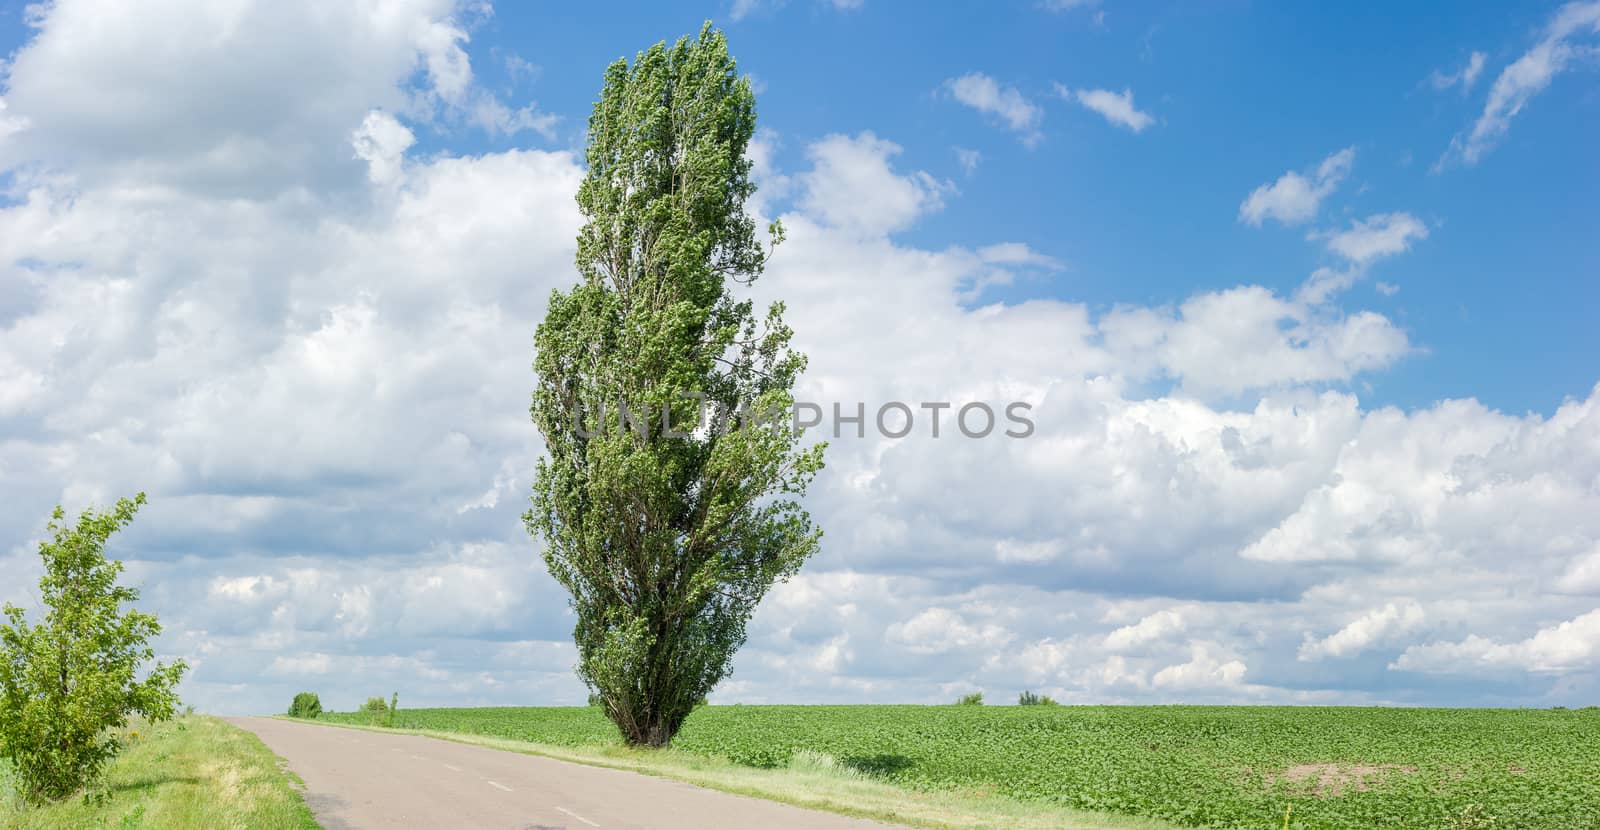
(379, 713)
(1031, 699)
(974, 699)
(305, 705)
(70, 682)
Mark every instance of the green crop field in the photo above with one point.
(1198, 766)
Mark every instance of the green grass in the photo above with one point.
(191, 773)
(1225, 767)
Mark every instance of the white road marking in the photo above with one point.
(578, 817)
(498, 785)
(451, 767)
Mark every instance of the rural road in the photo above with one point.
(357, 779)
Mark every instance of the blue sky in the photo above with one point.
(1241, 92)
(1303, 299)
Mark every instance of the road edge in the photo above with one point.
(853, 796)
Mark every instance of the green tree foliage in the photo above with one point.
(70, 682)
(667, 534)
(974, 699)
(1031, 699)
(305, 705)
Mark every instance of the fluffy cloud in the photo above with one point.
(316, 361)
(1295, 198)
(1583, 575)
(1369, 628)
(1156, 627)
(1366, 241)
(109, 90)
(938, 630)
(1566, 646)
(1377, 236)
(1209, 667)
(853, 190)
(381, 142)
(1116, 107)
(1248, 338)
(1567, 37)
(1006, 103)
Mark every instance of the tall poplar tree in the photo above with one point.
(668, 511)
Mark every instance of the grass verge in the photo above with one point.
(190, 773)
(815, 781)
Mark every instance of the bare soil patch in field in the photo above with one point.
(1334, 780)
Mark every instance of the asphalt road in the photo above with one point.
(357, 779)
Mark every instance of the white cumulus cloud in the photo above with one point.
(1565, 646)
(1115, 107)
(1005, 103)
(1295, 197)
(1395, 618)
(1377, 236)
(852, 187)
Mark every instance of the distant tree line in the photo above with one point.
(1027, 698)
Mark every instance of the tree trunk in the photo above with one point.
(652, 729)
(656, 734)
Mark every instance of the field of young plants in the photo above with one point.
(1225, 767)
